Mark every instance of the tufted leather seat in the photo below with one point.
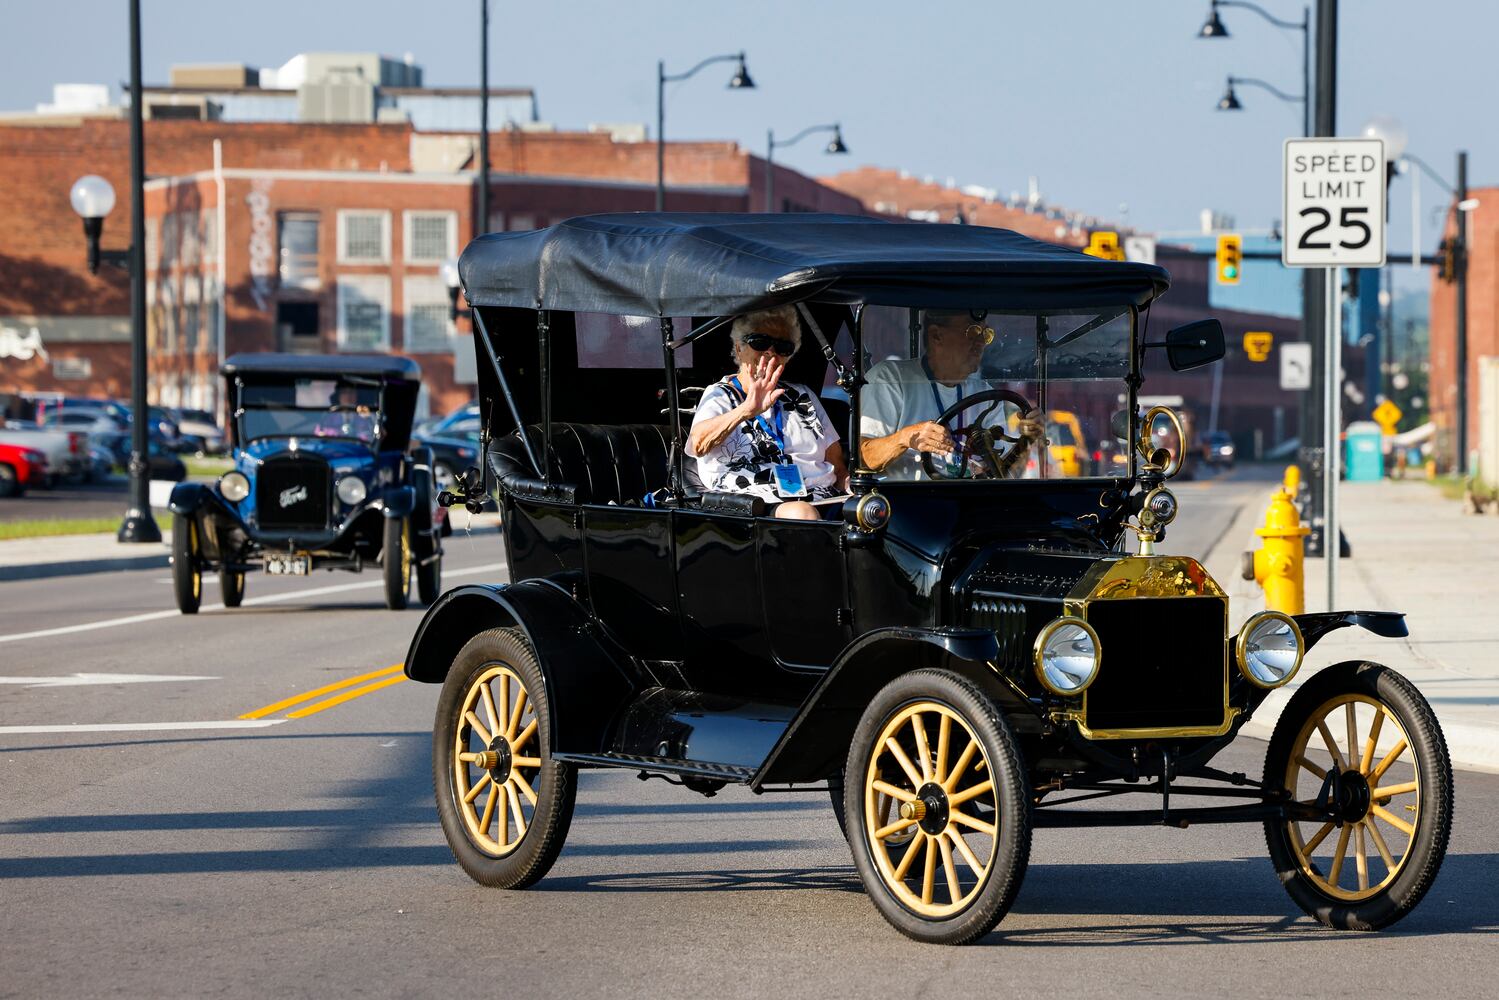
(600, 462)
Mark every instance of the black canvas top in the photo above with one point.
(367, 365)
(702, 264)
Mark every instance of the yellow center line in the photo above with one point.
(339, 699)
(272, 709)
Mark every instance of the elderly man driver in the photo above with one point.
(903, 398)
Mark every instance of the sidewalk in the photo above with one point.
(73, 555)
(1413, 551)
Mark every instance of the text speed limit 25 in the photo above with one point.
(1334, 203)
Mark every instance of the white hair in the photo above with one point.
(782, 316)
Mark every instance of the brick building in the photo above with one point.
(309, 236)
(1483, 325)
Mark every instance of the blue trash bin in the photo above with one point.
(1363, 456)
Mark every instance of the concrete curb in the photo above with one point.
(82, 567)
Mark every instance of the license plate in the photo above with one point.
(288, 565)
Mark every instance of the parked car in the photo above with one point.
(1218, 448)
(958, 659)
(200, 427)
(454, 441)
(20, 467)
(323, 478)
(66, 451)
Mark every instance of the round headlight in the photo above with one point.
(1269, 649)
(872, 512)
(1161, 504)
(351, 490)
(233, 486)
(1067, 653)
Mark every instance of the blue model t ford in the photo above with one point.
(324, 478)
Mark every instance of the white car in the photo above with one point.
(67, 451)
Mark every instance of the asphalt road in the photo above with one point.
(106, 499)
(303, 857)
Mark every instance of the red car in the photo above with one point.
(19, 468)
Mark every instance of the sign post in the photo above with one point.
(1334, 200)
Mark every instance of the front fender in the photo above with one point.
(1390, 624)
(398, 501)
(816, 742)
(189, 498)
(587, 683)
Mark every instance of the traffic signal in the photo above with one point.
(1230, 258)
(1447, 261)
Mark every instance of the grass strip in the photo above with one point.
(50, 527)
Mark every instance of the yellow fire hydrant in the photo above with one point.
(1277, 564)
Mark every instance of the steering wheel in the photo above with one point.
(975, 439)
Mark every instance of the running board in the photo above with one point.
(730, 773)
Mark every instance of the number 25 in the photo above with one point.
(1346, 221)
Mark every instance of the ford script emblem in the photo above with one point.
(293, 495)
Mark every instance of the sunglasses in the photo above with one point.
(765, 342)
(974, 331)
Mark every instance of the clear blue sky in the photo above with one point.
(1107, 103)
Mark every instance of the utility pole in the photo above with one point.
(1317, 302)
(483, 226)
(1460, 249)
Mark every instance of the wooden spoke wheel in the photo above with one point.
(939, 818)
(1359, 740)
(505, 804)
(187, 570)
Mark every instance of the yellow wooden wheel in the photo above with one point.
(930, 810)
(1353, 755)
(495, 761)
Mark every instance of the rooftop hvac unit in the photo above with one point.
(336, 101)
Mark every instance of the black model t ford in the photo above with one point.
(324, 478)
(958, 653)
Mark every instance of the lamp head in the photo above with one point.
(92, 196)
(741, 78)
(449, 271)
(1213, 27)
(837, 146)
(1390, 130)
(1229, 101)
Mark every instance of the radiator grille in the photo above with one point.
(1163, 665)
(293, 493)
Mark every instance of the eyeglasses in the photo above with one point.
(974, 331)
(765, 342)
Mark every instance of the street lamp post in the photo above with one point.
(835, 146)
(483, 226)
(93, 198)
(1230, 99)
(739, 81)
(1213, 28)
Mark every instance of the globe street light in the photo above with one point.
(834, 146)
(739, 81)
(93, 198)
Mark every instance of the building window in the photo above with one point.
(191, 239)
(298, 240)
(169, 241)
(431, 237)
(428, 328)
(363, 312)
(363, 237)
(211, 236)
(153, 244)
(521, 222)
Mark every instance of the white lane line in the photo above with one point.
(141, 727)
(80, 680)
(294, 595)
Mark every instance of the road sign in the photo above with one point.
(1105, 244)
(1296, 365)
(1140, 249)
(1257, 345)
(1387, 415)
(1334, 203)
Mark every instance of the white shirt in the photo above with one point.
(745, 461)
(900, 393)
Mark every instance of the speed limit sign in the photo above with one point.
(1334, 203)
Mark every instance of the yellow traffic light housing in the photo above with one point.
(1104, 244)
(1230, 258)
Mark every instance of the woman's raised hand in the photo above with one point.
(760, 385)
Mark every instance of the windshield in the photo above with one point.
(985, 394)
(310, 407)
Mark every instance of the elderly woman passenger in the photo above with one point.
(755, 434)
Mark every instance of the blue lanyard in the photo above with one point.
(936, 396)
(778, 432)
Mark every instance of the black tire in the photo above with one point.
(231, 587)
(922, 698)
(187, 573)
(395, 562)
(429, 574)
(10, 483)
(835, 792)
(485, 659)
(1426, 808)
